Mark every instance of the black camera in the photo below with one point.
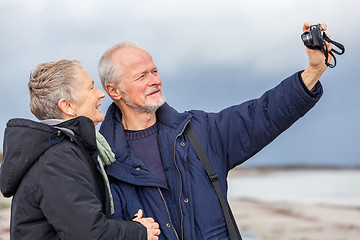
(315, 39)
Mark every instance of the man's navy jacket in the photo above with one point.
(188, 207)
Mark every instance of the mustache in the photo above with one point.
(151, 90)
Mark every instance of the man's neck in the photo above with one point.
(134, 120)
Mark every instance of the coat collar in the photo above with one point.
(26, 140)
(127, 167)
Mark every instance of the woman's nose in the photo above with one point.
(101, 94)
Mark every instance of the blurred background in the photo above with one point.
(210, 54)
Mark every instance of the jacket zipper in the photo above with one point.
(167, 210)
(180, 194)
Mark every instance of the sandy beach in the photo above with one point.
(283, 221)
(5, 204)
(270, 220)
(293, 221)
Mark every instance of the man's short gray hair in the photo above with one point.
(108, 72)
(49, 82)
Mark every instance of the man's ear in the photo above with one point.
(66, 108)
(113, 91)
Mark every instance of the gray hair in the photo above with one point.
(49, 82)
(108, 72)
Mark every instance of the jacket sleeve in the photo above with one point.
(239, 132)
(69, 201)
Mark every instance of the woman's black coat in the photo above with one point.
(54, 178)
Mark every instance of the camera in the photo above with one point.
(315, 39)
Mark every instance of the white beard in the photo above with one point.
(148, 107)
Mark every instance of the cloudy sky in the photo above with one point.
(210, 54)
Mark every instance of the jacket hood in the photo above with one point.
(26, 140)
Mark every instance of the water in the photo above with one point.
(247, 236)
(335, 187)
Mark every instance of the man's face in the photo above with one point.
(140, 83)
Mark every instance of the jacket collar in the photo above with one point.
(127, 167)
(171, 118)
(26, 140)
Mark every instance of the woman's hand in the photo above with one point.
(152, 227)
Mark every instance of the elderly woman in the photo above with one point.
(53, 168)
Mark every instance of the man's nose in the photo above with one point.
(154, 80)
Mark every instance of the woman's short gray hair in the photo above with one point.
(49, 82)
(108, 72)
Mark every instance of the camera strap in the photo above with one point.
(234, 233)
(324, 49)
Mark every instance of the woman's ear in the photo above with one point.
(113, 91)
(66, 108)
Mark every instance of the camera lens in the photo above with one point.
(307, 39)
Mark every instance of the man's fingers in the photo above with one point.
(323, 26)
(306, 26)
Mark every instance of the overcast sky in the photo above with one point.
(210, 55)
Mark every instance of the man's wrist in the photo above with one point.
(311, 76)
(315, 91)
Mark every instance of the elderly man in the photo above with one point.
(157, 168)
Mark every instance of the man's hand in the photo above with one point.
(317, 64)
(152, 227)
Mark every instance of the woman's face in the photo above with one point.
(87, 98)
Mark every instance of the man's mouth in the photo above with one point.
(153, 91)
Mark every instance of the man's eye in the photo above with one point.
(141, 76)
